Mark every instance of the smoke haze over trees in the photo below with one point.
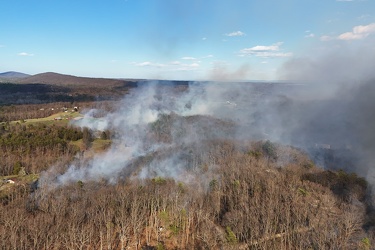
(215, 165)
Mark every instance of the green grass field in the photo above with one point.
(61, 118)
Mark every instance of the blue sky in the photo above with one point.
(175, 39)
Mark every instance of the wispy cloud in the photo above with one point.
(364, 16)
(149, 64)
(309, 34)
(171, 66)
(235, 33)
(204, 38)
(188, 58)
(358, 32)
(265, 51)
(178, 66)
(25, 54)
(175, 62)
(326, 38)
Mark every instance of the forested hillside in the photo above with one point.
(147, 172)
(53, 87)
(247, 201)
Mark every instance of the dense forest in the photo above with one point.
(246, 202)
(234, 194)
(34, 147)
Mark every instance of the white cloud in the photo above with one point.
(149, 64)
(25, 54)
(358, 32)
(309, 34)
(265, 51)
(194, 65)
(235, 33)
(142, 64)
(188, 58)
(204, 38)
(274, 54)
(171, 66)
(326, 38)
(273, 47)
(364, 16)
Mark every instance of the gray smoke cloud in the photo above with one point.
(337, 108)
(327, 110)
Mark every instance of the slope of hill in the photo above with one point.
(65, 80)
(53, 87)
(12, 76)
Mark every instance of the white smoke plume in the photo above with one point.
(328, 110)
(142, 112)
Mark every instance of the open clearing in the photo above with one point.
(61, 118)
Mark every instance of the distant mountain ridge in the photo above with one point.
(53, 87)
(13, 75)
(53, 78)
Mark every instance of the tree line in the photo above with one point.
(10, 113)
(35, 146)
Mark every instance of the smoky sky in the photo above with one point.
(337, 107)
